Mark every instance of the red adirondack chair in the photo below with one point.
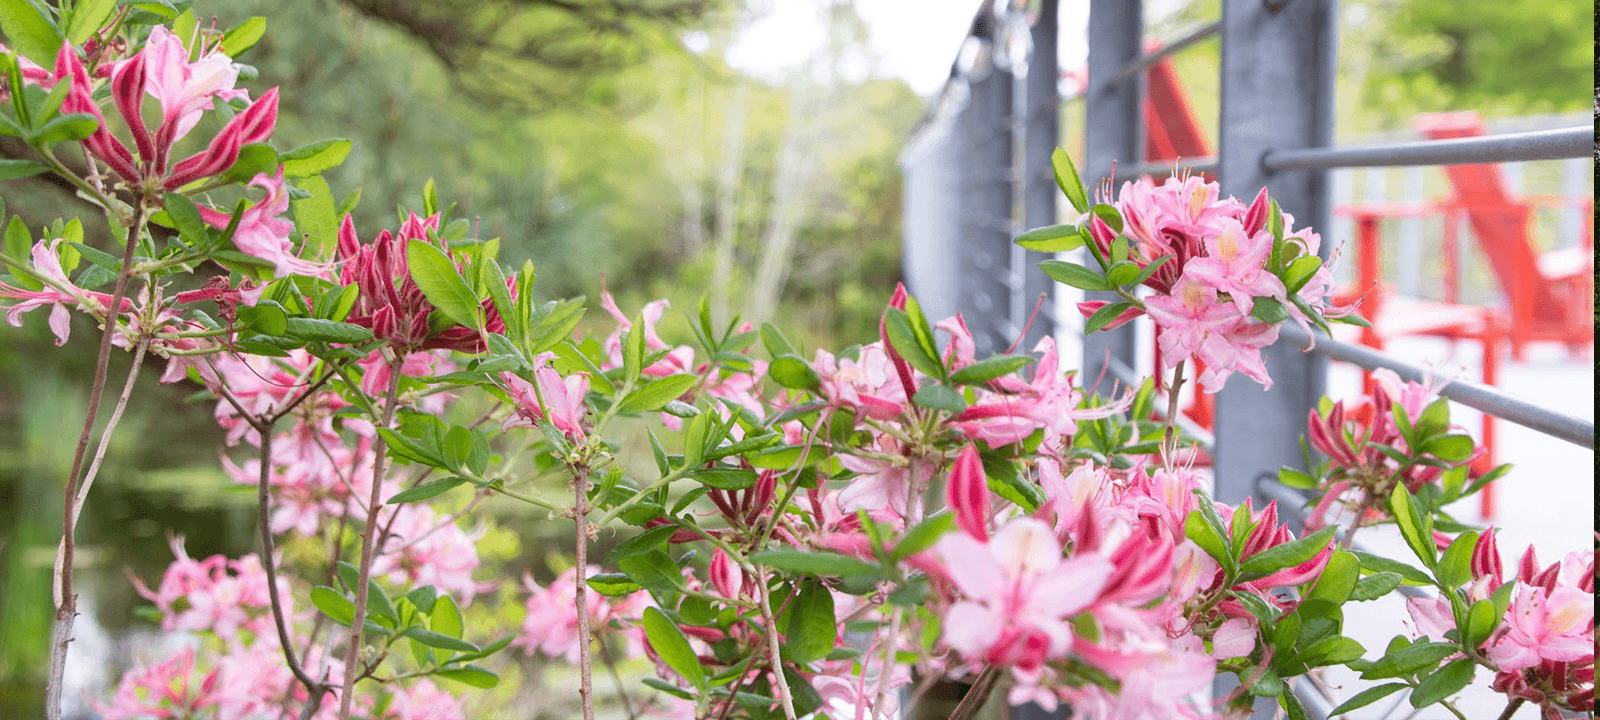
(1549, 295)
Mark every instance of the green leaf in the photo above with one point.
(668, 688)
(1105, 315)
(439, 281)
(655, 394)
(1268, 310)
(1405, 515)
(633, 350)
(424, 597)
(331, 331)
(64, 128)
(725, 478)
(1296, 479)
(653, 539)
(1122, 273)
(904, 341)
(265, 318)
(1067, 179)
(811, 630)
(673, 648)
(243, 36)
(1338, 580)
(316, 158)
(314, 217)
(1289, 554)
(336, 606)
(793, 372)
(30, 31)
(654, 570)
(986, 370)
(13, 169)
(940, 397)
(1268, 685)
(254, 159)
(1378, 563)
(87, 17)
(613, 584)
(407, 449)
(1450, 448)
(1300, 272)
(777, 345)
(1367, 697)
(426, 490)
(1075, 275)
(1410, 659)
(1375, 586)
(1455, 566)
(438, 640)
(1197, 529)
(1053, 238)
(1443, 683)
(923, 536)
(473, 675)
(812, 563)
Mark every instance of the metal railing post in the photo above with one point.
(1040, 106)
(1277, 76)
(984, 136)
(1112, 135)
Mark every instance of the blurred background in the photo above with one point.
(744, 151)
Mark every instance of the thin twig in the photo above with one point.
(616, 677)
(1511, 708)
(888, 663)
(368, 534)
(66, 601)
(787, 699)
(978, 695)
(105, 434)
(1169, 444)
(269, 564)
(580, 513)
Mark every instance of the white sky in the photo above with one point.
(915, 40)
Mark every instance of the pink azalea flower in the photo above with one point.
(1544, 624)
(47, 263)
(1234, 264)
(1189, 318)
(1020, 595)
(866, 384)
(263, 232)
(551, 626)
(420, 548)
(184, 89)
(1234, 638)
(882, 485)
(212, 599)
(559, 399)
(1049, 402)
(680, 359)
(424, 701)
(164, 690)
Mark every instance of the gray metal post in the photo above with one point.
(1039, 105)
(1278, 63)
(1112, 135)
(983, 132)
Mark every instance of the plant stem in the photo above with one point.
(580, 516)
(1169, 445)
(105, 434)
(888, 663)
(1452, 709)
(976, 697)
(66, 601)
(787, 699)
(368, 533)
(1511, 708)
(269, 564)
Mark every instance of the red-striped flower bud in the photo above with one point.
(968, 494)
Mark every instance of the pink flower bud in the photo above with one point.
(1528, 566)
(726, 576)
(1255, 219)
(968, 494)
(901, 367)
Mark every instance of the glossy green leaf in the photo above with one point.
(1455, 566)
(673, 648)
(439, 281)
(1410, 659)
(30, 31)
(812, 563)
(1443, 683)
(1367, 697)
(811, 630)
(1067, 179)
(613, 584)
(1075, 275)
(330, 331)
(793, 372)
(243, 36)
(936, 396)
(1052, 238)
(1289, 554)
(904, 341)
(316, 158)
(333, 604)
(655, 394)
(922, 536)
(1375, 586)
(1338, 579)
(1105, 315)
(473, 675)
(13, 169)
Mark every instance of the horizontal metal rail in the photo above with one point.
(1161, 168)
(1574, 430)
(1121, 371)
(1573, 142)
(1143, 61)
